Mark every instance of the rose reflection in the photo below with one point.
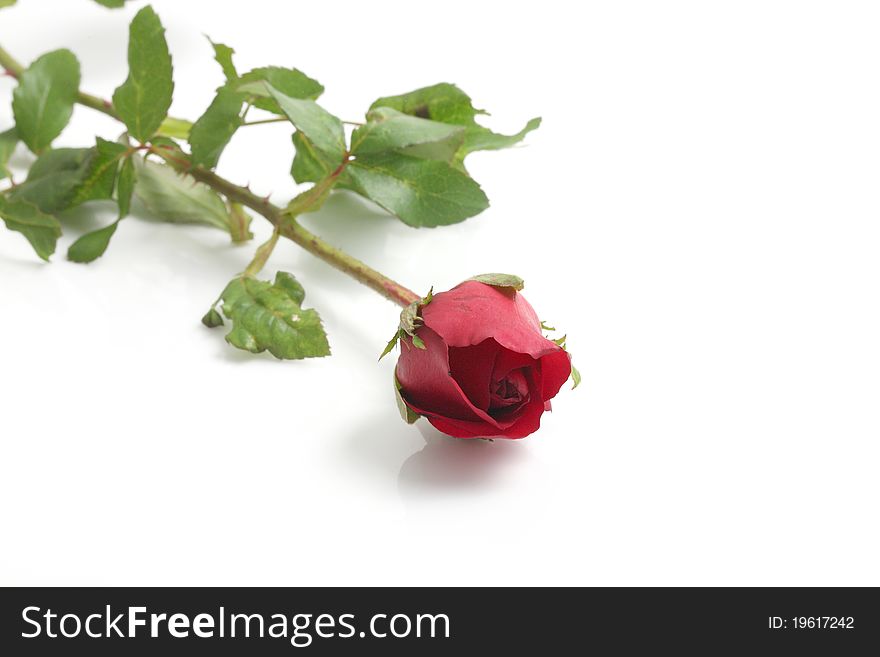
(447, 464)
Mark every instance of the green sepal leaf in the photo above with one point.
(125, 184)
(560, 342)
(8, 142)
(410, 320)
(447, 103)
(91, 246)
(212, 318)
(175, 128)
(40, 229)
(142, 101)
(269, 317)
(223, 55)
(503, 280)
(53, 179)
(43, 100)
(178, 198)
(575, 377)
(391, 344)
(291, 82)
(409, 415)
(212, 132)
(111, 4)
(101, 170)
(388, 130)
(421, 193)
(323, 130)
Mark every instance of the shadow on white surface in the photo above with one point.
(346, 217)
(382, 448)
(452, 465)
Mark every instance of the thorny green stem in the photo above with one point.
(285, 224)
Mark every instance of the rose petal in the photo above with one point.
(512, 390)
(472, 368)
(472, 312)
(555, 370)
(427, 387)
(508, 360)
(424, 378)
(528, 422)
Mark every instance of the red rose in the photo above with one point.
(486, 369)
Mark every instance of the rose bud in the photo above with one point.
(475, 363)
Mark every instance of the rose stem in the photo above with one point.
(286, 225)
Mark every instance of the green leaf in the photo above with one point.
(102, 167)
(419, 192)
(447, 103)
(54, 178)
(409, 416)
(142, 101)
(91, 246)
(211, 133)
(112, 4)
(503, 280)
(388, 130)
(212, 319)
(6, 3)
(291, 82)
(322, 129)
(58, 160)
(442, 102)
(41, 230)
(291, 286)
(483, 139)
(125, 187)
(223, 55)
(8, 142)
(575, 377)
(310, 164)
(178, 198)
(310, 200)
(43, 101)
(267, 316)
(175, 128)
(239, 223)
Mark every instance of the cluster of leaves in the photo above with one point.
(63, 178)
(407, 156)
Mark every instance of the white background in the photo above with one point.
(699, 212)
